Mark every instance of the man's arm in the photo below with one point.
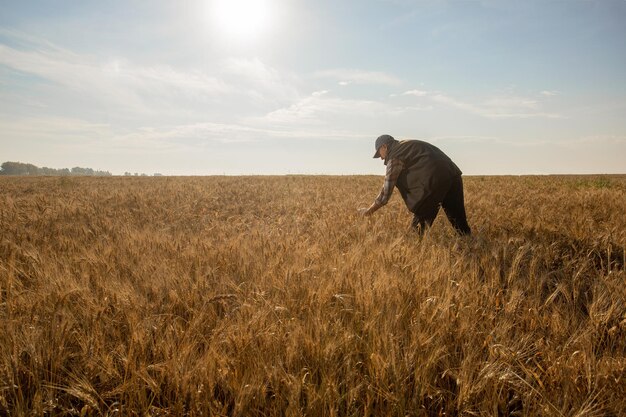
(394, 168)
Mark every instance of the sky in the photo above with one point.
(213, 87)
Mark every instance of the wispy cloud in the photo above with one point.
(74, 135)
(416, 93)
(494, 107)
(123, 86)
(198, 136)
(321, 108)
(50, 128)
(354, 76)
(602, 139)
(122, 89)
(259, 81)
(115, 80)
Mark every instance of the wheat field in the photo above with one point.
(270, 296)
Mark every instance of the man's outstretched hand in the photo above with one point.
(364, 211)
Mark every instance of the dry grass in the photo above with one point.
(269, 296)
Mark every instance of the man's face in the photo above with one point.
(383, 152)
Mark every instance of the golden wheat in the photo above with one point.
(270, 296)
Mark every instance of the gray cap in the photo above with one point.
(380, 141)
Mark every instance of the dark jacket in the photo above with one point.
(426, 170)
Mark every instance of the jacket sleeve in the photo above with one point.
(394, 168)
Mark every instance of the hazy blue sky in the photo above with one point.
(294, 86)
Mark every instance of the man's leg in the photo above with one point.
(454, 206)
(423, 217)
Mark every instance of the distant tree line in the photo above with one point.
(19, 168)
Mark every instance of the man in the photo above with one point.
(425, 177)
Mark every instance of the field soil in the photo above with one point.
(271, 296)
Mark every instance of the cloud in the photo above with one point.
(197, 136)
(130, 90)
(548, 93)
(258, 81)
(474, 139)
(601, 139)
(113, 82)
(145, 98)
(495, 107)
(321, 108)
(46, 128)
(416, 93)
(353, 76)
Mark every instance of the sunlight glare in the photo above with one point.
(242, 19)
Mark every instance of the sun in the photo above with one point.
(242, 19)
